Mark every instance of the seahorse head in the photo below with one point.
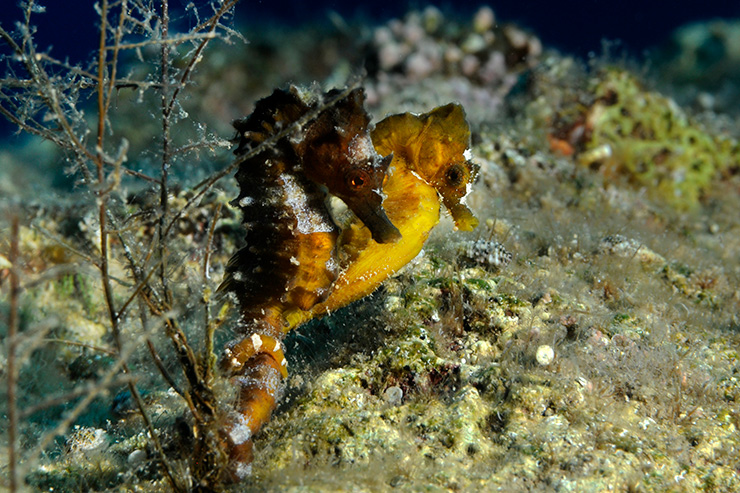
(338, 153)
(435, 146)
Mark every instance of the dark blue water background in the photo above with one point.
(577, 27)
(573, 26)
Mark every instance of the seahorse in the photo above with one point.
(430, 159)
(289, 262)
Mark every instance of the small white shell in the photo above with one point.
(545, 355)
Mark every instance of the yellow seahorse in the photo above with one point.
(430, 166)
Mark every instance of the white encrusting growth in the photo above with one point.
(361, 148)
(243, 470)
(308, 219)
(487, 253)
(256, 342)
(271, 383)
(241, 432)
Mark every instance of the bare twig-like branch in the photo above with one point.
(77, 392)
(102, 197)
(166, 114)
(12, 344)
(160, 366)
(211, 24)
(206, 299)
(99, 349)
(171, 41)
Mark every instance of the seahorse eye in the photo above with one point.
(455, 175)
(356, 179)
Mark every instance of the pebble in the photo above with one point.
(484, 20)
(545, 355)
(393, 395)
(136, 457)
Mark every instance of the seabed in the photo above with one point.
(584, 338)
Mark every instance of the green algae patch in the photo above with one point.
(647, 138)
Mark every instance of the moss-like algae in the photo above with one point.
(648, 138)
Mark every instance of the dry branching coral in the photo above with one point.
(481, 61)
(425, 43)
(78, 109)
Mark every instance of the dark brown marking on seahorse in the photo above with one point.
(334, 150)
